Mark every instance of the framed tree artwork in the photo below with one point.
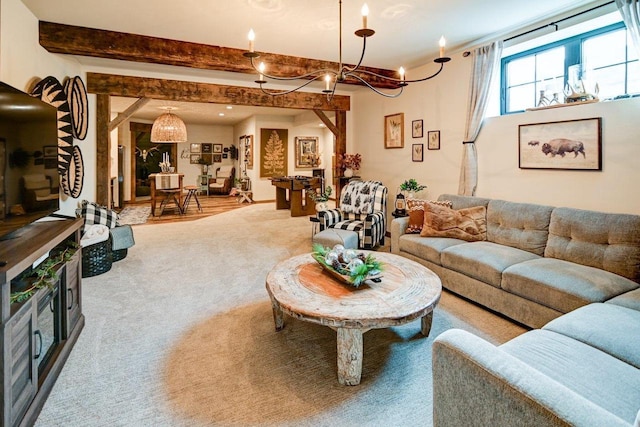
(217, 148)
(273, 152)
(394, 131)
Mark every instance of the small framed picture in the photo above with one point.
(416, 129)
(194, 148)
(434, 140)
(50, 162)
(194, 159)
(225, 155)
(206, 148)
(394, 131)
(217, 148)
(50, 151)
(217, 158)
(417, 152)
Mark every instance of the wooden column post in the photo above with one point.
(103, 159)
(341, 148)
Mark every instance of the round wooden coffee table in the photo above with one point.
(300, 288)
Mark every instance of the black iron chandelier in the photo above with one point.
(334, 76)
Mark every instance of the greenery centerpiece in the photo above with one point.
(352, 266)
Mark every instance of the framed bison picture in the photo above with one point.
(568, 145)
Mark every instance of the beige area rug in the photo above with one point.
(180, 333)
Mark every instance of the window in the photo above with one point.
(602, 60)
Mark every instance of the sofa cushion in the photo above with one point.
(628, 299)
(610, 328)
(461, 202)
(607, 241)
(520, 225)
(484, 261)
(591, 373)
(427, 248)
(466, 224)
(563, 285)
(93, 213)
(415, 207)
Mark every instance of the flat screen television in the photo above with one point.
(30, 181)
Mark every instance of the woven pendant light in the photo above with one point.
(168, 128)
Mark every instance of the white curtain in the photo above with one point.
(630, 11)
(485, 62)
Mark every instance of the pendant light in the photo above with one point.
(168, 128)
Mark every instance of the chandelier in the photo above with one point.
(343, 72)
(168, 128)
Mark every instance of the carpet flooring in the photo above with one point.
(180, 333)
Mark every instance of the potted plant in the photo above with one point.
(411, 186)
(321, 198)
(349, 163)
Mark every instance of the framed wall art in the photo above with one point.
(394, 131)
(567, 145)
(206, 148)
(50, 151)
(194, 159)
(206, 158)
(306, 151)
(195, 148)
(434, 140)
(217, 158)
(417, 152)
(273, 152)
(416, 129)
(217, 148)
(248, 151)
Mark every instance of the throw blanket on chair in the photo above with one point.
(358, 197)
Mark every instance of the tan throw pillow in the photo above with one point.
(415, 207)
(468, 224)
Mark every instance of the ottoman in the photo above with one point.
(333, 236)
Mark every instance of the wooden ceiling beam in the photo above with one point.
(176, 90)
(120, 118)
(74, 40)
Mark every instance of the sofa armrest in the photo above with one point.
(476, 383)
(398, 228)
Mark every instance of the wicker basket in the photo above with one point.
(117, 255)
(97, 259)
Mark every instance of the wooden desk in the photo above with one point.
(296, 187)
(160, 195)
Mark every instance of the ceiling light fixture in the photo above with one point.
(168, 128)
(333, 77)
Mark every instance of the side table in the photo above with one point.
(244, 196)
(203, 183)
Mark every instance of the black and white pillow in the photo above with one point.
(96, 214)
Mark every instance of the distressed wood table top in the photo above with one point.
(304, 290)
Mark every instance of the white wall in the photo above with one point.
(23, 63)
(441, 103)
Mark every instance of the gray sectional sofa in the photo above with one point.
(538, 262)
(572, 273)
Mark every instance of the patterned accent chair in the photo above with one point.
(363, 209)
